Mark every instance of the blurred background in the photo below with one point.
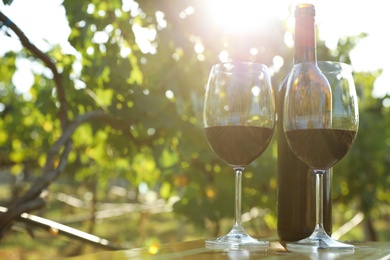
(122, 122)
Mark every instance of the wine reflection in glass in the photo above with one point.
(320, 123)
(238, 123)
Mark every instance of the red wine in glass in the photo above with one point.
(320, 123)
(239, 118)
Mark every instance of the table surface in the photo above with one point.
(196, 250)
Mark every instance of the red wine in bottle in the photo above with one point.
(296, 206)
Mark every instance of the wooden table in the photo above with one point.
(197, 250)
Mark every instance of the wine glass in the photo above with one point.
(239, 117)
(320, 123)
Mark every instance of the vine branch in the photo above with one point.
(57, 156)
(63, 115)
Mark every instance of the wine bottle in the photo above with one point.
(296, 210)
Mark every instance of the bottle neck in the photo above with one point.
(305, 40)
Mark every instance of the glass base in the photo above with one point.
(237, 238)
(318, 240)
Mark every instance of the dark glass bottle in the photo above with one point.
(296, 183)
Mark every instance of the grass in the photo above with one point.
(139, 229)
(130, 230)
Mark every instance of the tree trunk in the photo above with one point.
(369, 230)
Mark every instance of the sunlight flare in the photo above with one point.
(244, 15)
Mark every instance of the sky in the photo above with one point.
(44, 22)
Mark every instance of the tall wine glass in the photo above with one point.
(320, 123)
(238, 123)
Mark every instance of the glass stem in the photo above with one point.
(238, 185)
(320, 200)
